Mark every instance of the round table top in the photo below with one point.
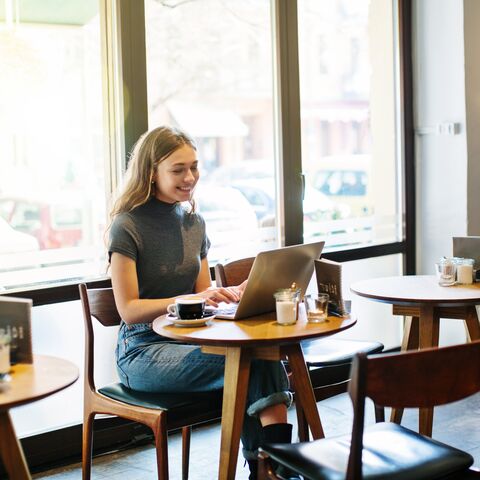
(262, 330)
(30, 382)
(417, 289)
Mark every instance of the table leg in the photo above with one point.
(471, 322)
(429, 327)
(303, 389)
(409, 342)
(429, 332)
(237, 371)
(11, 450)
(410, 334)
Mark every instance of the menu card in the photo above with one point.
(329, 280)
(16, 323)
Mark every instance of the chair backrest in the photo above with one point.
(418, 379)
(233, 273)
(100, 304)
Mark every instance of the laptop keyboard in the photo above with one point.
(226, 308)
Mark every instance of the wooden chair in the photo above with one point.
(328, 360)
(415, 379)
(161, 412)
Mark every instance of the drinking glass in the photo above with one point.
(316, 307)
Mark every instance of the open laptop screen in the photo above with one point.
(272, 270)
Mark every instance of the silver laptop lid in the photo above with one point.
(467, 247)
(276, 269)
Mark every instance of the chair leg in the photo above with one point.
(161, 445)
(303, 432)
(87, 444)
(186, 435)
(379, 413)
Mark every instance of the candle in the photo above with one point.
(4, 358)
(465, 274)
(286, 312)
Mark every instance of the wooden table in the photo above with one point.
(29, 382)
(423, 302)
(242, 340)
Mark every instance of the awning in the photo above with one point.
(205, 121)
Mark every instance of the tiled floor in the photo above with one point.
(456, 424)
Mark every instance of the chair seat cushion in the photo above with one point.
(390, 451)
(330, 351)
(208, 404)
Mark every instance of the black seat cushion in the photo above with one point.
(331, 351)
(390, 452)
(206, 405)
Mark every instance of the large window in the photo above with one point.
(349, 143)
(52, 189)
(225, 72)
(212, 75)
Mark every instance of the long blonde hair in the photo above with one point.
(151, 149)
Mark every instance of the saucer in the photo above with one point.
(197, 322)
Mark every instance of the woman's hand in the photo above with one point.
(215, 295)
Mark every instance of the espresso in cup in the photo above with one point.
(188, 307)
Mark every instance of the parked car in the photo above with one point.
(54, 223)
(261, 195)
(230, 221)
(255, 179)
(345, 179)
(12, 241)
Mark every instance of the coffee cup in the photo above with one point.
(189, 307)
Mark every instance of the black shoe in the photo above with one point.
(280, 433)
(277, 433)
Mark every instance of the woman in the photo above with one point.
(158, 251)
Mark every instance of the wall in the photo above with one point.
(446, 80)
(441, 160)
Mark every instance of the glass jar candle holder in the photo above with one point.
(465, 271)
(286, 305)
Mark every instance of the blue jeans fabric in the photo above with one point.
(149, 363)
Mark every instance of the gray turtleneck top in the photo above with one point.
(167, 244)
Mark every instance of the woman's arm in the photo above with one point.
(132, 309)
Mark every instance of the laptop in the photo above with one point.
(467, 247)
(271, 270)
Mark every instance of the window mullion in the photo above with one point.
(287, 119)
